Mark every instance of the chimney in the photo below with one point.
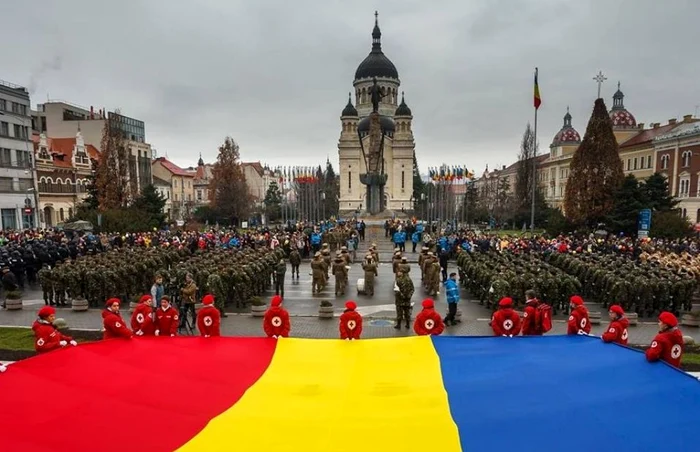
(504, 167)
(671, 121)
(641, 125)
(687, 118)
(92, 113)
(655, 125)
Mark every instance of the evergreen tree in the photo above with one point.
(595, 172)
(273, 202)
(656, 193)
(228, 190)
(91, 201)
(418, 184)
(669, 224)
(628, 201)
(151, 202)
(331, 190)
(111, 177)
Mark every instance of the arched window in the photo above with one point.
(60, 214)
(686, 158)
(664, 161)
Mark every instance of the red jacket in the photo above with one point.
(428, 322)
(142, 320)
(114, 325)
(167, 321)
(276, 322)
(529, 325)
(579, 321)
(350, 325)
(209, 321)
(617, 331)
(47, 336)
(506, 322)
(667, 346)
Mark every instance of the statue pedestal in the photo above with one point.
(375, 191)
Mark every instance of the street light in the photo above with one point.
(32, 166)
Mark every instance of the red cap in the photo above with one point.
(351, 305)
(208, 299)
(617, 309)
(145, 298)
(111, 301)
(575, 299)
(505, 301)
(428, 303)
(669, 319)
(276, 300)
(46, 311)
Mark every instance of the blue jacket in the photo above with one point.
(452, 291)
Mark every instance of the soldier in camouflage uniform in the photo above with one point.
(402, 299)
(46, 283)
(280, 271)
(370, 269)
(341, 275)
(317, 274)
(295, 261)
(217, 289)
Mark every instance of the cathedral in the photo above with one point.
(396, 120)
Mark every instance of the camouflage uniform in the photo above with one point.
(402, 299)
(370, 269)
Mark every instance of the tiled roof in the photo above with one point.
(159, 181)
(64, 146)
(173, 168)
(684, 129)
(647, 136)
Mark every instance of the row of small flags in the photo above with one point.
(450, 173)
(298, 174)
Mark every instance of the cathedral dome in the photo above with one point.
(403, 109)
(376, 64)
(567, 134)
(620, 117)
(386, 122)
(349, 109)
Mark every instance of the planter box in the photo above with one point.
(690, 320)
(258, 311)
(594, 317)
(325, 312)
(79, 305)
(13, 305)
(633, 318)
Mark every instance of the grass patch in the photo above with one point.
(690, 358)
(17, 339)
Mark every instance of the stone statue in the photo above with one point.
(376, 95)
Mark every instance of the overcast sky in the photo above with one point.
(275, 74)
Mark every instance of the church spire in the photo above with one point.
(376, 34)
(200, 162)
(618, 99)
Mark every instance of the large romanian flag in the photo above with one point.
(406, 394)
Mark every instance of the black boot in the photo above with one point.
(398, 325)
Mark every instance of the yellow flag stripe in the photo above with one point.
(340, 396)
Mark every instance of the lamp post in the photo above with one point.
(32, 166)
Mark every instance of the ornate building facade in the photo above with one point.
(64, 167)
(396, 120)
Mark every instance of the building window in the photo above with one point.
(664, 161)
(629, 164)
(9, 219)
(175, 196)
(4, 129)
(635, 163)
(199, 195)
(19, 109)
(686, 158)
(20, 132)
(648, 161)
(61, 214)
(3, 105)
(175, 183)
(189, 184)
(5, 157)
(349, 180)
(684, 188)
(23, 159)
(403, 180)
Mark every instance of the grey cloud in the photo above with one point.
(275, 75)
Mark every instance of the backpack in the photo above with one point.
(544, 317)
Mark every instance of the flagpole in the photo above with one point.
(534, 156)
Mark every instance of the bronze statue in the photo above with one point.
(375, 95)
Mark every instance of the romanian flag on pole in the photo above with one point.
(538, 99)
(418, 393)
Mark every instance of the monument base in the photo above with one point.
(375, 191)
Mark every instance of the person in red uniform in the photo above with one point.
(47, 336)
(142, 317)
(276, 321)
(530, 325)
(350, 322)
(668, 344)
(428, 321)
(209, 318)
(579, 323)
(167, 319)
(505, 321)
(113, 323)
(617, 330)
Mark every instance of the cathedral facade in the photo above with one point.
(396, 121)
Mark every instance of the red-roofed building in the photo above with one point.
(181, 186)
(64, 166)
